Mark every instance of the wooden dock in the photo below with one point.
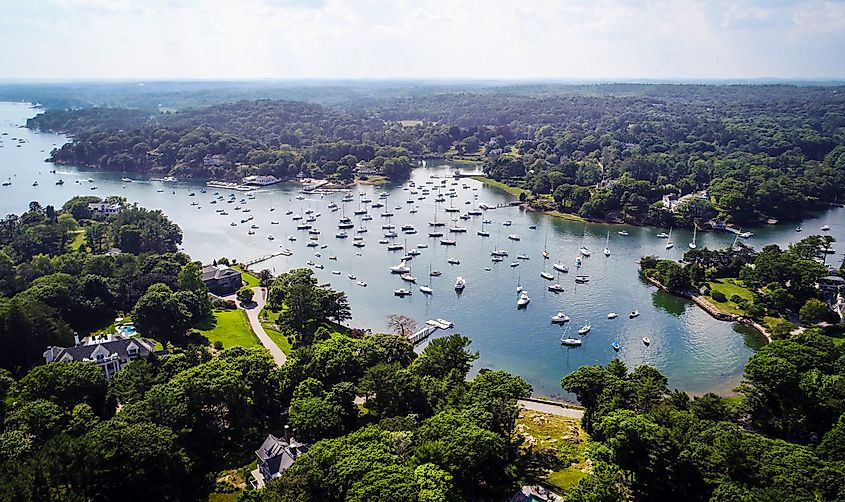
(431, 326)
(253, 261)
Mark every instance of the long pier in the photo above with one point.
(253, 261)
(431, 326)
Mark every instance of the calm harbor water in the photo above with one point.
(698, 353)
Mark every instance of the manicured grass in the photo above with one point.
(559, 444)
(249, 278)
(229, 327)
(564, 480)
(498, 184)
(730, 287)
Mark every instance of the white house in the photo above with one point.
(111, 351)
(104, 208)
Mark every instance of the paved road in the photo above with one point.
(551, 408)
(252, 312)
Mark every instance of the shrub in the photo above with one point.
(218, 345)
(718, 296)
(737, 299)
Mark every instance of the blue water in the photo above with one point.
(698, 353)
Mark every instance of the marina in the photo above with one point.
(697, 352)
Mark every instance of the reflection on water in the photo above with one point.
(697, 352)
(671, 304)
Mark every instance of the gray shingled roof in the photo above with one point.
(120, 347)
(217, 272)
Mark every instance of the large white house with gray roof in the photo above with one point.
(111, 351)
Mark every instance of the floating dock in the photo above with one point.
(253, 261)
(431, 326)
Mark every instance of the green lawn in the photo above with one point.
(565, 216)
(730, 287)
(498, 184)
(249, 278)
(229, 327)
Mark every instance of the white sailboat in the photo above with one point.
(694, 233)
(669, 243)
(545, 251)
(607, 245)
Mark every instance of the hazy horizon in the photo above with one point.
(545, 41)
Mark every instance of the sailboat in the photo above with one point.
(559, 266)
(518, 285)
(482, 232)
(545, 252)
(669, 243)
(694, 232)
(607, 245)
(736, 238)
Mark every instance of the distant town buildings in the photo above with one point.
(261, 180)
(104, 208)
(110, 351)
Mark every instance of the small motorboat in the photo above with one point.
(460, 284)
(585, 329)
(623, 233)
(646, 341)
(584, 251)
(615, 345)
(523, 300)
(435, 273)
(825, 228)
(582, 279)
(635, 313)
(571, 342)
(663, 235)
(453, 261)
(513, 237)
(612, 315)
(556, 288)
(362, 284)
(401, 292)
(352, 277)
(560, 318)
(514, 264)
(523, 257)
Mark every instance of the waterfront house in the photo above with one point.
(104, 208)
(831, 283)
(275, 456)
(221, 279)
(110, 351)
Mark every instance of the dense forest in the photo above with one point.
(750, 152)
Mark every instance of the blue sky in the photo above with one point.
(375, 39)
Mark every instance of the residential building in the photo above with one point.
(275, 456)
(831, 283)
(104, 208)
(111, 351)
(261, 180)
(221, 279)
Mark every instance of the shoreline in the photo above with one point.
(713, 311)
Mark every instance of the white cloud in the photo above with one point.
(421, 39)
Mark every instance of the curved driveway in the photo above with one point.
(252, 312)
